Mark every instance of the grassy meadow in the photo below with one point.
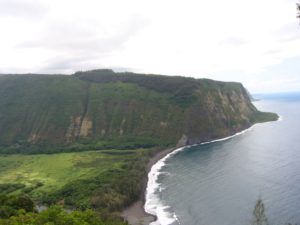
(59, 177)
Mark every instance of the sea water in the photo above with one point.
(218, 183)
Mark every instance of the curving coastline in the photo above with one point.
(153, 204)
(149, 210)
(136, 214)
(144, 211)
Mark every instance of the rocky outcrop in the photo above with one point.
(183, 141)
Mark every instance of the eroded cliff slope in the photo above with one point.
(102, 109)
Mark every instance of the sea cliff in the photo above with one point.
(103, 109)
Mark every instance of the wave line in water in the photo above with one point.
(153, 204)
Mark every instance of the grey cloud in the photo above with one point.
(74, 37)
(68, 64)
(123, 69)
(289, 32)
(81, 45)
(236, 41)
(28, 9)
(273, 52)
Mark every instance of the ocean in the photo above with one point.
(218, 183)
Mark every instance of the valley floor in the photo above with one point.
(52, 177)
(56, 178)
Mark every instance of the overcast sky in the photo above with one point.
(255, 42)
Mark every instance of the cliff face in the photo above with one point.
(219, 112)
(104, 109)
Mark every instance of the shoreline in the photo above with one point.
(136, 214)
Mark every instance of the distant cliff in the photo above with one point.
(102, 109)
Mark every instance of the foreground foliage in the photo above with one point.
(20, 211)
(259, 214)
(12, 205)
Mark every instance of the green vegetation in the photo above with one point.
(11, 205)
(265, 116)
(298, 10)
(20, 210)
(50, 123)
(108, 179)
(259, 214)
(55, 215)
(101, 109)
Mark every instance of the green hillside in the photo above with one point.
(101, 109)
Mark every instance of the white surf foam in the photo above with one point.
(153, 204)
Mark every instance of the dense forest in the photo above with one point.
(20, 210)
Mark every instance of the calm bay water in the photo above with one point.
(219, 183)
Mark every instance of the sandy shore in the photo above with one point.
(135, 214)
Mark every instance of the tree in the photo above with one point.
(298, 9)
(259, 216)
